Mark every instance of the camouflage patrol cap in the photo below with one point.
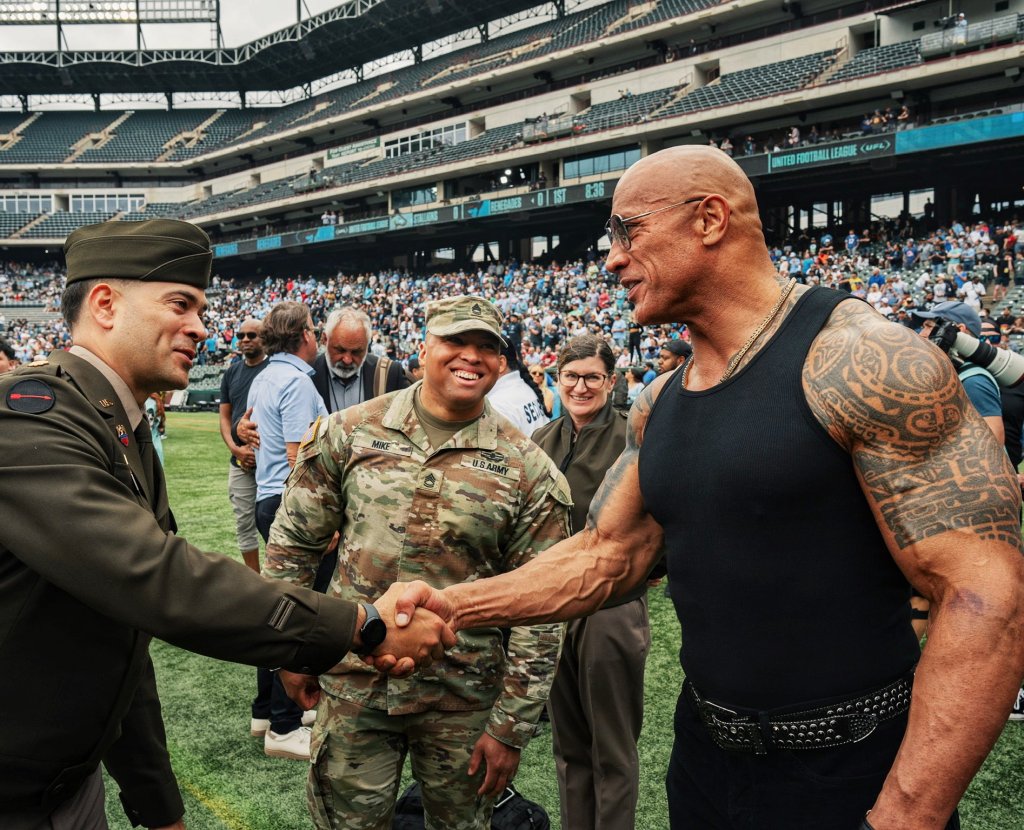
(157, 250)
(465, 313)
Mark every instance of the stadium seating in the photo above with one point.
(748, 84)
(226, 128)
(879, 59)
(629, 109)
(667, 10)
(51, 137)
(60, 223)
(154, 210)
(13, 222)
(143, 135)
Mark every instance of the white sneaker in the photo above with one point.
(293, 745)
(1017, 712)
(258, 727)
(308, 717)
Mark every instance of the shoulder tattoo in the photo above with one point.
(928, 462)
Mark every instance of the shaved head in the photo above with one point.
(677, 173)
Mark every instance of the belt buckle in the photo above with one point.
(734, 731)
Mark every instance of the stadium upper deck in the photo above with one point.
(618, 76)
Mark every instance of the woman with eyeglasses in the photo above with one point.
(596, 704)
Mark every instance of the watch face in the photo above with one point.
(373, 633)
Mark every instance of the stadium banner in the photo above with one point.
(837, 152)
(335, 154)
(447, 214)
(970, 131)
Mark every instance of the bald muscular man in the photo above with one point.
(808, 464)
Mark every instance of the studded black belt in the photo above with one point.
(827, 726)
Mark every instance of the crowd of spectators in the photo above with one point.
(797, 135)
(892, 265)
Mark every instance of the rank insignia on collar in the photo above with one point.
(106, 403)
(122, 435)
(32, 396)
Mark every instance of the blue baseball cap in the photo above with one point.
(955, 312)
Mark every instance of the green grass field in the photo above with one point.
(228, 782)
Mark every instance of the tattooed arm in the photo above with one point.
(947, 502)
(573, 578)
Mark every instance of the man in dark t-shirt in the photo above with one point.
(635, 330)
(234, 392)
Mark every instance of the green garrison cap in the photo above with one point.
(157, 250)
(466, 313)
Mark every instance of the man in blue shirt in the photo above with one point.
(284, 403)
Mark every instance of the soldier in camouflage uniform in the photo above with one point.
(427, 483)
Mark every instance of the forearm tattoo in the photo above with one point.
(929, 462)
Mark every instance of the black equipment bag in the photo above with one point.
(511, 812)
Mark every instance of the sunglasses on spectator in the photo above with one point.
(591, 381)
(617, 227)
(248, 335)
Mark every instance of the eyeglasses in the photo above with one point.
(617, 228)
(592, 381)
(248, 335)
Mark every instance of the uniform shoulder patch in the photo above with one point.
(311, 433)
(32, 396)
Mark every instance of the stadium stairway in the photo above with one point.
(189, 138)
(24, 229)
(12, 125)
(90, 141)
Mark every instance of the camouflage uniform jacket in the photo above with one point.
(486, 502)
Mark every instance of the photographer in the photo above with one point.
(979, 384)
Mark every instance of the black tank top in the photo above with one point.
(785, 590)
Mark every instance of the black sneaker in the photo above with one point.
(1017, 712)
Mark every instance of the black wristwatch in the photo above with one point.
(373, 630)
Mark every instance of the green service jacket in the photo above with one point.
(90, 570)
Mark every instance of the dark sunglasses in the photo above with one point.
(617, 228)
(248, 335)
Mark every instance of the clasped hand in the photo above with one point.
(416, 641)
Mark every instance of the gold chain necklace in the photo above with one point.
(731, 367)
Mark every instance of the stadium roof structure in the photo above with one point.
(348, 36)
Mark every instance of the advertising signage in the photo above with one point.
(352, 149)
(837, 152)
(476, 209)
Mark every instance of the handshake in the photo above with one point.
(420, 626)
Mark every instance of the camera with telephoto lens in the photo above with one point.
(1005, 366)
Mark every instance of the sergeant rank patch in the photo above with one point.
(32, 396)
